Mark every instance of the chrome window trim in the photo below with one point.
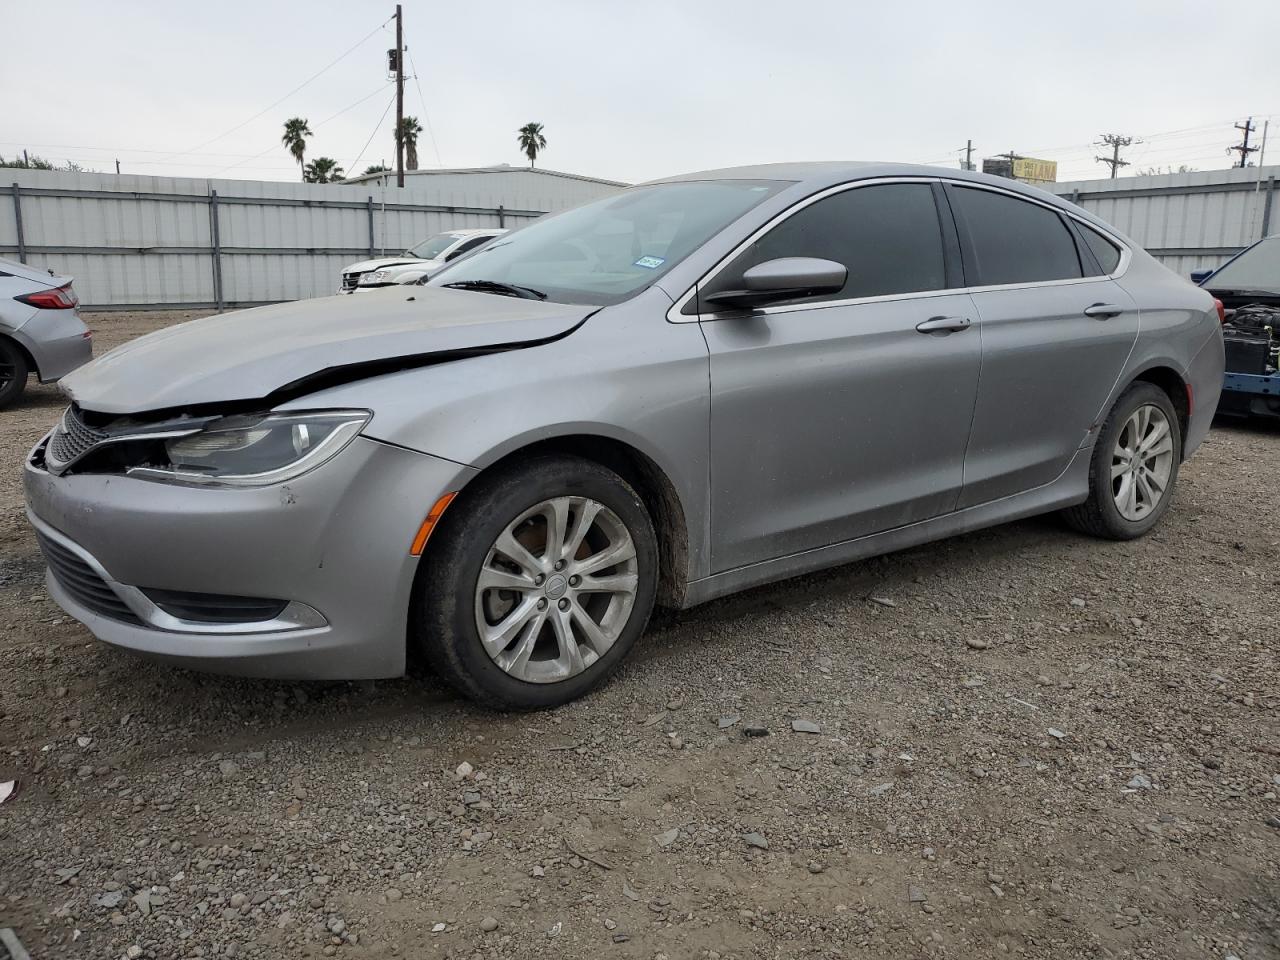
(295, 615)
(674, 314)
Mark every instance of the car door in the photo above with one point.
(837, 416)
(1056, 331)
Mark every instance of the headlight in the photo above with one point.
(378, 276)
(253, 451)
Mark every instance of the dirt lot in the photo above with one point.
(1031, 744)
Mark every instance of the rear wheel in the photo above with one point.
(1133, 468)
(13, 372)
(537, 583)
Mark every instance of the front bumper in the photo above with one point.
(334, 541)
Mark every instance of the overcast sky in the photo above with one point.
(635, 90)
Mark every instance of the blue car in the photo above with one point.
(1248, 286)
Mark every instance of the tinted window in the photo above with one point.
(887, 237)
(1014, 241)
(1108, 253)
(469, 245)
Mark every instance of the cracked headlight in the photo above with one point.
(253, 451)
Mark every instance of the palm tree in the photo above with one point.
(322, 170)
(409, 130)
(295, 133)
(532, 141)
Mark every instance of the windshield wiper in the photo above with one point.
(497, 286)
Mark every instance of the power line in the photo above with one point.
(425, 116)
(377, 127)
(352, 106)
(304, 83)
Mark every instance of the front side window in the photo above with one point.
(1013, 240)
(609, 250)
(886, 235)
(469, 245)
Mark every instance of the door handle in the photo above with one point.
(1103, 311)
(944, 325)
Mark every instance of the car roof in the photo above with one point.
(809, 177)
(472, 231)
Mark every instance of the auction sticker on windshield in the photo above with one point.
(650, 263)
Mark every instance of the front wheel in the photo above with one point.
(537, 583)
(1133, 468)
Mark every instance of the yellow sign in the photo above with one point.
(1036, 171)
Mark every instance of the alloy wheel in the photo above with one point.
(1142, 462)
(556, 589)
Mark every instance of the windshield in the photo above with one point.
(433, 247)
(1258, 269)
(608, 250)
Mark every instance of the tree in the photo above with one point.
(322, 170)
(295, 136)
(409, 130)
(1154, 171)
(376, 168)
(31, 162)
(531, 140)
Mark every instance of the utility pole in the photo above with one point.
(399, 97)
(1244, 149)
(117, 168)
(1115, 141)
(967, 163)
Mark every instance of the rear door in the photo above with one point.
(1056, 331)
(837, 416)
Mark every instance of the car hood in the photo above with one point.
(364, 266)
(283, 350)
(413, 266)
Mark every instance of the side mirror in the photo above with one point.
(786, 278)
(1200, 276)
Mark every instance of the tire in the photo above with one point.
(535, 668)
(13, 372)
(1102, 515)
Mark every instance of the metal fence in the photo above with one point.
(1186, 220)
(136, 242)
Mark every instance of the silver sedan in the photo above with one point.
(684, 390)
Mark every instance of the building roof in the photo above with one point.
(497, 168)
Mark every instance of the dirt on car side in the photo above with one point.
(1019, 742)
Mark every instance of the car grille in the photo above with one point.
(350, 281)
(83, 583)
(73, 437)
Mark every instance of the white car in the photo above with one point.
(418, 262)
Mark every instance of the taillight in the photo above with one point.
(1222, 311)
(59, 298)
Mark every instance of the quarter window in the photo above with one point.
(886, 236)
(1013, 240)
(1108, 253)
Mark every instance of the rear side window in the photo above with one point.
(1108, 253)
(887, 236)
(1014, 241)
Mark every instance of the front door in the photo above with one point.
(836, 417)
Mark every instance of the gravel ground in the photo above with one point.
(1026, 743)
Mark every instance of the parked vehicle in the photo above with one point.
(669, 394)
(1248, 286)
(417, 263)
(41, 332)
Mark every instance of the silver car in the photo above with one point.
(683, 390)
(40, 331)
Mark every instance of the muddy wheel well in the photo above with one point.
(26, 354)
(1171, 382)
(655, 489)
